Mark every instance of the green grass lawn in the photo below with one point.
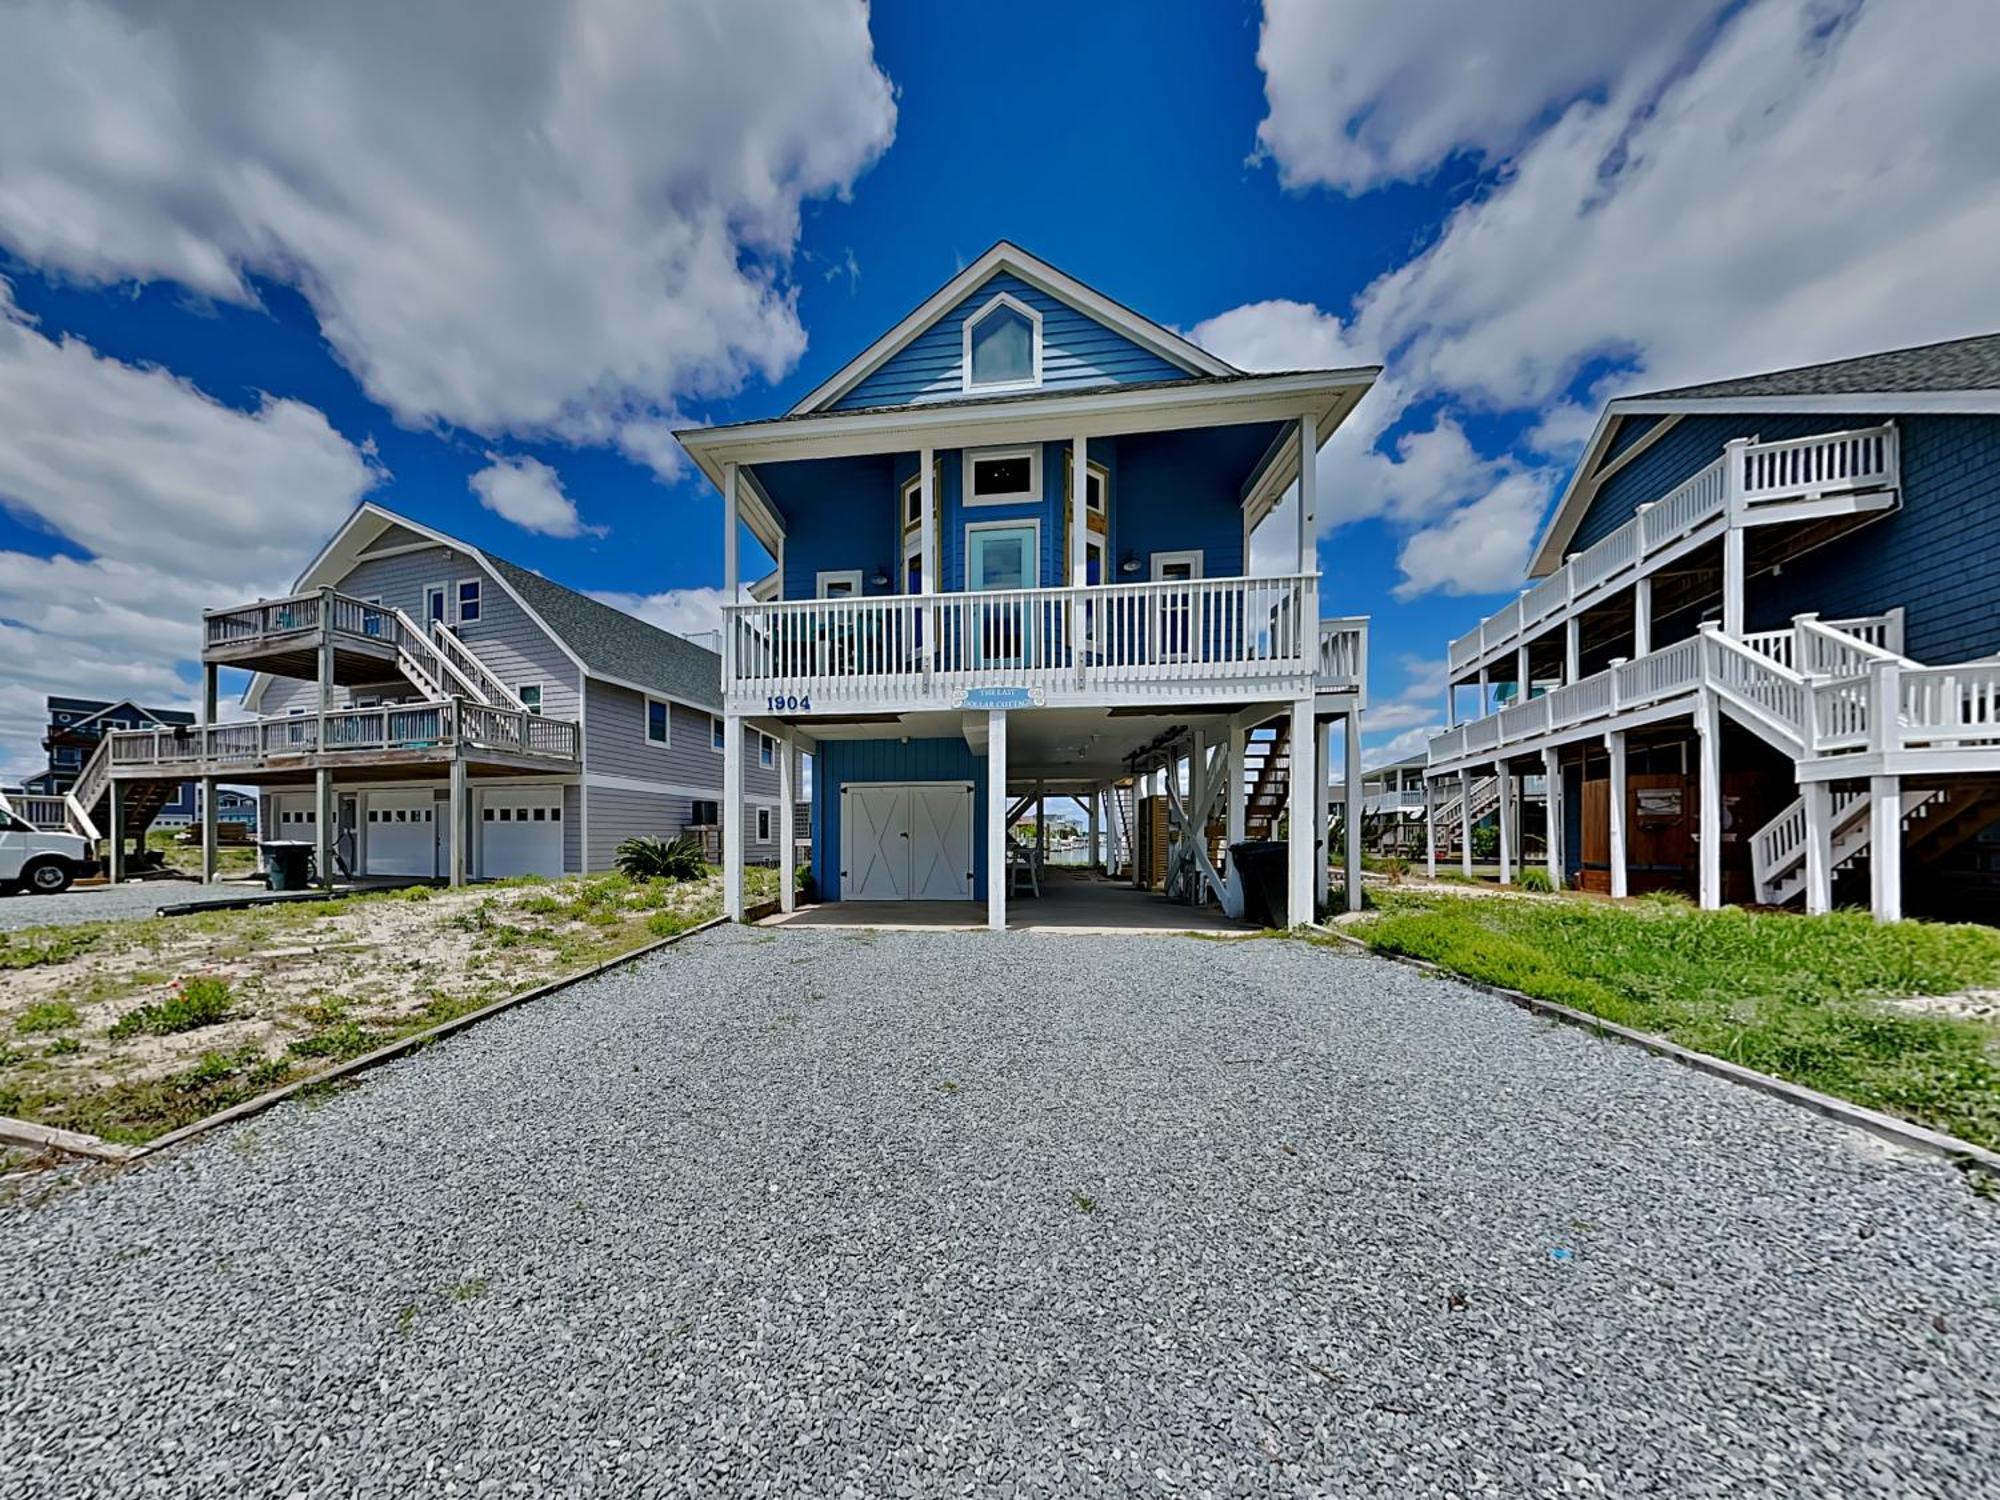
(1804, 998)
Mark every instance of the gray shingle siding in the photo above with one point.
(1938, 556)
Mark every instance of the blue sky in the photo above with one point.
(480, 283)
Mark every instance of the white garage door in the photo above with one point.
(520, 831)
(293, 816)
(906, 841)
(401, 837)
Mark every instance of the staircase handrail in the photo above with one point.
(94, 777)
(1756, 683)
(444, 674)
(80, 820)
(1823, 649)
(466, 666)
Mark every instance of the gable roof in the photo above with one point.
(1955, 375)
(1007, 257)
(94, 709)
(600, 641)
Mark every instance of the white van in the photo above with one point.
(44, 863)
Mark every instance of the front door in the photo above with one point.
(1174, 615)
(1002, 558)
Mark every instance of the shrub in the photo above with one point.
(48, 1015)
(1485, 842)
(661, 859)
(1535, 878)
(197, 1001)
(664, 924)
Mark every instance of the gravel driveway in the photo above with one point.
(932, 1213)
(108, 903)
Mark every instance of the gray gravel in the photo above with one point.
(948, 1213)
(106, 903)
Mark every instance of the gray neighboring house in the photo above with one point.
(461, 690)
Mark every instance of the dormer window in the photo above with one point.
(1003, 347)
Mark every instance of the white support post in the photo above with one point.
(731, 577)
(1614, 742)
(788, 842)
(1573, 649)
(1708, 736)
(1041, 827)
(1301, 812)
(1090, 838)
(1451, 705)
(732, 817)
(1323, 832)
(323, 816)
(208, 821)
(1430, 828)
(1485, 692)
(115, 871)
(1524, 673)
(927, 558)
(1506, 775)
(996, 820)
(1308, 493)
(1642, 617)
(1465, 823)
(459, 824)
(1352, 761)
(1818, 798)
(1552, 811)
(1885, 847)
(1238, 814)
(1734, 459)
(1079, 520)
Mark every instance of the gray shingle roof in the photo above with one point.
(1969, 364)
(615, 644)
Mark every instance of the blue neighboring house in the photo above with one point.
(1012, 540)
(77, 726)
(1760, 660)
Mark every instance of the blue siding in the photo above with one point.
(838, 762)
(1938, 556)
(1077, 351)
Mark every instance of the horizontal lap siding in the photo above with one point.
(616, 745)
(1077, 351)
(842, 761)
(620, 813)
(504, 637)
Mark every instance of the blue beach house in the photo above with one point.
(1012, 540)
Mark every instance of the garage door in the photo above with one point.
(906, 841)
(294, 817)
(402, 833)
(520, 831)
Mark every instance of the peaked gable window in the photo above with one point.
(1003, 346)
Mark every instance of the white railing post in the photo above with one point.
(1617, 692)
(1805, 654)
(1885, 708)
(1733, 536)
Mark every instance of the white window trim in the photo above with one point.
(913, 485)
(520, 687)
(1034, 382)
(837, 575)
(1031, 496)
(646, 723)
(718, 733)
(1163, 560)
(913, 547)
(1032, 523)
(762, 821)
(457, 596)
(767, 751)
(442, 593)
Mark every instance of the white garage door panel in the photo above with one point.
(401, 832)
(520, 831)
(906, 841)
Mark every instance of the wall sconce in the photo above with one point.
(1128, 563)
(881, 578)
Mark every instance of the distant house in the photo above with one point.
(76, 726)
(1761, 657)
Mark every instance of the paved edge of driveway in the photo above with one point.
(1960, 1153)
(74, 1143)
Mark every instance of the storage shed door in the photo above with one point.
(906, 841)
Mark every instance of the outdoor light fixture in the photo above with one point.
(1128, 564)
(881, 578)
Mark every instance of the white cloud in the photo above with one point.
(183, 503)
(1672, 200)
(550, 219)
(529, 493)
(1279, 335)
(683, 611)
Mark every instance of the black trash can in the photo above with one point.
(285, 864)
(1260, 865)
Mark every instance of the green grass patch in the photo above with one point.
(36, 947)
(1798, 997)
(197, 1001)
(47, 1015)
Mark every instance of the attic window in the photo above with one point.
(1003, 347)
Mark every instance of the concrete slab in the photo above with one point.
(1071, 901)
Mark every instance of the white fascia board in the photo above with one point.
(1037, 272)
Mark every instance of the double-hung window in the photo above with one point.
(468, 601)
(658, 724)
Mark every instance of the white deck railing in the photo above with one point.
(271, 742)
(1752, 481)
(890, 649)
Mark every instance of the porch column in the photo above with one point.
(115, 871)
(1485, 691)
(1506, 776)
(208, 830)
(1323, 832)
(208, 693)
(1708, 735)
(1642, 617)
(323, 819)
(1430, 828)
(1303, 806)
(1552, 810)
(1573, 648)
(1308, 494)
(731, 593)
(1524, 672)
(1818, 797)
(1041, 826)
(927, 563)
(1614, 742)
(1465, 822)
(1353, 764)
(1732, 581)
(996, 819)
(1090, 839)
(732, 817)
(788, 853)
(1238, 805)
(1885, 847)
